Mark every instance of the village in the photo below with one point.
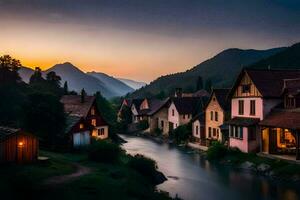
(260, 114)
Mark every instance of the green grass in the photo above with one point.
(107, 181)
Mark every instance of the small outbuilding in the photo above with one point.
(17, 146)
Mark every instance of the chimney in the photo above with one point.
(83, 94)
(178, 92)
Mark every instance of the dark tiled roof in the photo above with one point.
(201, 93)
(222, 97)
(283, 119)
(200, 117)
(270, 82)
(156, 105)
(243, 121)
(7, 131)
(189, 105)
(70, 122)
(292, 86)
(74, 107)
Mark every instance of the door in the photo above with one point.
(171, 127)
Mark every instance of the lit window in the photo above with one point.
(100, 131)
(93, 111)
(94, 122)
(81, 126)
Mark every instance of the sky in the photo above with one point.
(141, 39)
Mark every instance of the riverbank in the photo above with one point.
(74, 176)
(273, 168)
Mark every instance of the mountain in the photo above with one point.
(76, 79)
(25, 73)
(133, 84)
(112, 83)
(289, 58)
(221, 70)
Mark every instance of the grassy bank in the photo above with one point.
(106, 181)
(275, 168)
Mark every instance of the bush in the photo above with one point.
(143, 165)
(143, 125)
(104, 151)
(216, 151)
(182, 133)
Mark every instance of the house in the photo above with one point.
(136, 109)
(18, 146)
(217, 112)
(84, 119)
(280, 130)
(254, 94)
(158, 116)
(198, 128)
(182, 110)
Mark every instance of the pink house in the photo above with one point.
(254, 94)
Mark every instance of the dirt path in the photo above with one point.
(81, 171)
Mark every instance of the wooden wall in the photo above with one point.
(11, 151)
(253, 90)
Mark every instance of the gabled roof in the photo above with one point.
(7, 131)
(73, 105)
(283, 118)
(154, 106)
(222, 98)
(268, 82)
(189, 105)
(200, 117)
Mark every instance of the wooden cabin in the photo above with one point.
(17, 146)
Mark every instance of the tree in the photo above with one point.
(36, 77)
(208, 85)
(9, 69)
(199, 83)
(54, 79)
(44, 116)
(66, 88)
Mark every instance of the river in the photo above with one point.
(194, 178)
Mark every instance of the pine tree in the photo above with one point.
(66, 88)
(208, 85)
(199, 83)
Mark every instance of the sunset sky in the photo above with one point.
(141, 39)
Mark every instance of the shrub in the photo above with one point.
(182, 133)
(104, 151)
(216, 151)
(143, 125)
(143, 165)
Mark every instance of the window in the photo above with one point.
(173, 112)
(209, 132)
(94, 122)
(218, 133)
(183, 116)
(93, 111)
(81, 126)
(162, 124)
(197, 130)
(211, 115)
(100, 131)
(290, 102)
(246, 88)
(252, 107)
(241, 134)
(241, 107)
(251, 133)
(214, 132)
(236, 131)
(216, 116)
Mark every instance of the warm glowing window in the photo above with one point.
(81, 126)
(93, 111)
(94, 122)
(101, 132)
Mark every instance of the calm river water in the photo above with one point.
(194, 178)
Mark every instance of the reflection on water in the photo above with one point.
(194, 178)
